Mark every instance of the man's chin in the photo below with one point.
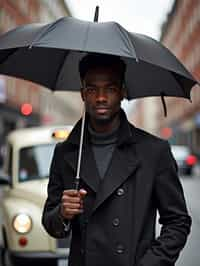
(103, 119)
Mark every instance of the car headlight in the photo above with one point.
(22, 223)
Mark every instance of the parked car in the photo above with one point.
(184, 158)
(24, 190)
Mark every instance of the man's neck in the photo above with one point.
(103, 127)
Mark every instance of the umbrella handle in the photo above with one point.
(76, 183)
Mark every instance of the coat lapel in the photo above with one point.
(123, 164)
(88, 173)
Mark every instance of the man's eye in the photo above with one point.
(111, 89)
(90, 90)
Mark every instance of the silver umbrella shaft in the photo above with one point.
(77, 178)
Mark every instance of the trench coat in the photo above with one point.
(117, 227)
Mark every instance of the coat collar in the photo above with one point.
(126, 135)
(123, 164)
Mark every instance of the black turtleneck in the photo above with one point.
(103, 145)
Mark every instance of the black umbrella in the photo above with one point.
(49, 55)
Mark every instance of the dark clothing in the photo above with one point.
(118, 224)
(103, 145)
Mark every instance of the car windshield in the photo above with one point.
(34, 162)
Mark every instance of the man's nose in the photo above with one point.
(101, 95)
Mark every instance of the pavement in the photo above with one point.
(190, 256)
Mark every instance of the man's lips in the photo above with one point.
(101, 109)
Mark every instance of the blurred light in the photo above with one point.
(22, 223)
(166, 132)
(60, 134)
(23, 241)
(47, 119)
(26, 109)
(191, 160)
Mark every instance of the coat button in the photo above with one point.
(120, 191)
(120, 249)
(116, 222)
(82, 251)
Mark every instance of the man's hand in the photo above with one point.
(72, 203)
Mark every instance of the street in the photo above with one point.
(190, 255)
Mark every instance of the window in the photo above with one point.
(34, 162)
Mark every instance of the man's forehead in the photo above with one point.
(102, 73)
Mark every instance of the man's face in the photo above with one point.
(102, 94)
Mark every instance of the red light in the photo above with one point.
(26, 109)
(191, 160)
(166, 132)
(23, 241)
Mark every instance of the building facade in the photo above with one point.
(181, 35)
(47, 107)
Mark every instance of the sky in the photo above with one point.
(141, 16)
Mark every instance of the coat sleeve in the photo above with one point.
(51, 218)
(174, 217)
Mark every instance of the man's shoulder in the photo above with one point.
(63, 147)
(143, 136)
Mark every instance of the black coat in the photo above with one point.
(118, 224)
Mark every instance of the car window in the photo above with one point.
(34, 162)
(180, 152)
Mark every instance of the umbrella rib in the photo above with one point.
(125, 34)
(181, 86)
(40, 34)
(60, 67)
(164, 103)
(12, 51)
(86, 36)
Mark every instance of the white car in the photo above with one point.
(24, 190)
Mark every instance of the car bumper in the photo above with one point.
(38, 258)
(185, 170)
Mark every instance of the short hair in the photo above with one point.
(94, 60)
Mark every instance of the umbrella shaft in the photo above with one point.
(80, 147)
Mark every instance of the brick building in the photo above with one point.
(181, 35)
(47, 108)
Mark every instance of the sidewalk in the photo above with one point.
(191, 187)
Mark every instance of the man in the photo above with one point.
(126, 176)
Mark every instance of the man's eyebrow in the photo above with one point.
(89, 84)
(106, 84)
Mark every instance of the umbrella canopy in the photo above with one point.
(49, 55)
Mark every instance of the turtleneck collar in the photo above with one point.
(125, 135)
(103, 138)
